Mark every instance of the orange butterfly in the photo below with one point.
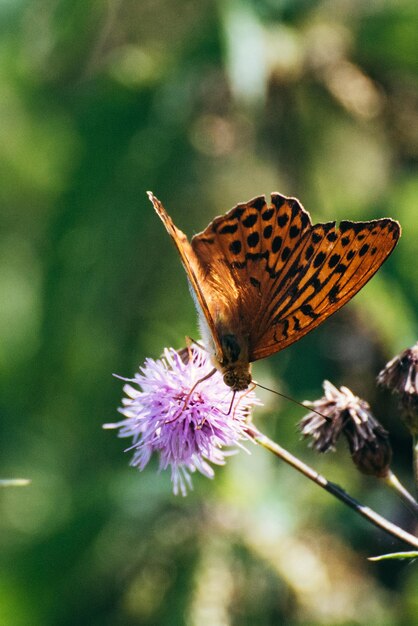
(263, 276)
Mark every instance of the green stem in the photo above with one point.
(415, 453)
(332, 488)
(394, 483)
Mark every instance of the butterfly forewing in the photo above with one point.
(191, 265)
(328, 269)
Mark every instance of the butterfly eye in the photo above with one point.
(229, 378)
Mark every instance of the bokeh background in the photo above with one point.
(207, 104)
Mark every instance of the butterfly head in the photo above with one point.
(237, 377)
(234, 363)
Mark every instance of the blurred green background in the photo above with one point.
(207, 104)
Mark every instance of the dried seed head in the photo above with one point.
(344, 413)
(400, 375)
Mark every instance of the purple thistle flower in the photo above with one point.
(188, 433)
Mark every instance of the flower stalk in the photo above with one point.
(392, 481)
(332, 488)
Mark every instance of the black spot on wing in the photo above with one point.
(255, 282)
(282, 219)
(333, 293)
(296, 208)
(277, 242)
(277, 200)
(296, 323)
(258, 203)
(267, 215)
(335, 258)
(238, 212)
(253, 239)
(356, 227)
(304, 217)
(229, 229)
(285, 329)
(250, 220)
(309, 252)
(285, 254)
(319, 259)
(235, 246)
(316, 283)
(307, 309)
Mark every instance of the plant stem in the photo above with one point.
(415, 453)
(332, 488)
(394, 483)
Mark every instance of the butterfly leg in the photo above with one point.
(189, 395)
(228, 413)
(190, 341)
(186, 353)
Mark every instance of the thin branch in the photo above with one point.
(394, 483)
(332, 488)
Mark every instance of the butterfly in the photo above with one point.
(262, 276)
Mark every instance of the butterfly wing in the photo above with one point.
(236, 252)
(276, 277)
(193, 269)
(325, 270)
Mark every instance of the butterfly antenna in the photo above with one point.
(282, 395)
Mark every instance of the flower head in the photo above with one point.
(400, 375)
(343, 413)
(181, 411)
